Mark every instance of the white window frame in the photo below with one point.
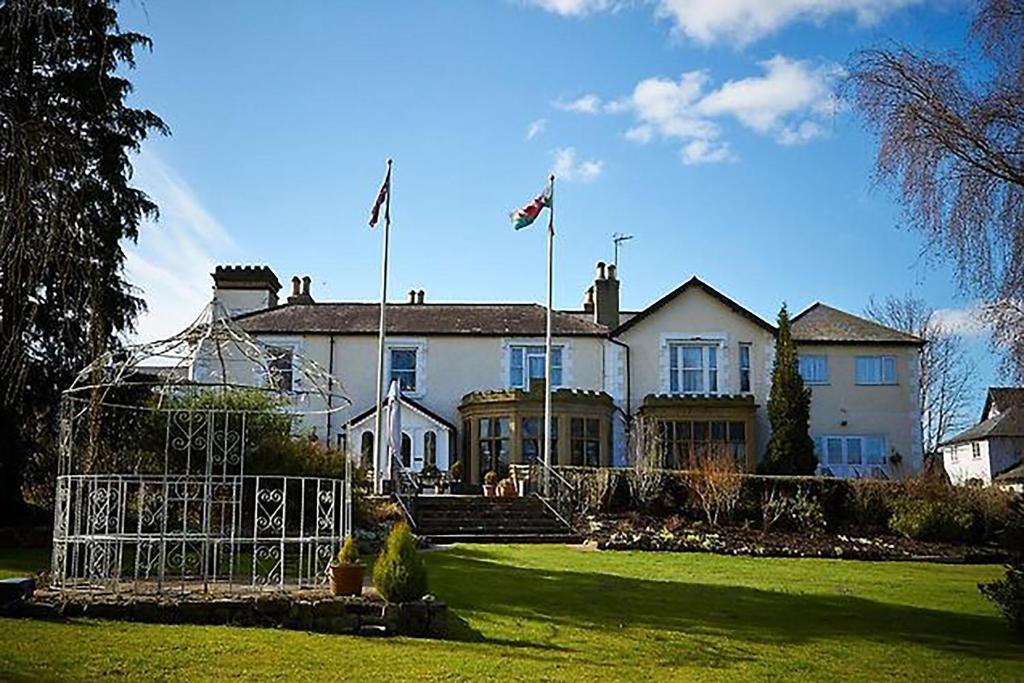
(419, 346)
(882, 360)
(296, 347)
(510, 347)
(706, 370)
(862, 443)
(810, 359)
(748, 347)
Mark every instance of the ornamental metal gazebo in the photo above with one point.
(191, 464)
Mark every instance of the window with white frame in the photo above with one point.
(813, 369)
(976, 450)
(875, 370)
(744, 368)
(526, 363)
(853, 450)
(281, 367)
(693, 368)
(403, 367)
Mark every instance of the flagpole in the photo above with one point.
(378, 467)
(547, 341)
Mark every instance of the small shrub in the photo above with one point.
(507, 488)
(399, 573)
(802, 511)
(930, 519)
(807, 512)
(870, 506)
(716, 484)
(349, 552)
(1008, 595)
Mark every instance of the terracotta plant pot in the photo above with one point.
(489, 490)
(346, 579)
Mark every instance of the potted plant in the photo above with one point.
(345, 574)
(507, 488)
(490, 483)
(430, 477)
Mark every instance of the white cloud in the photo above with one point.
(172, 262)
(737, 21)
(567, 168)
(574, 8)
(705, 152)
(789, 101)
(536, 128)
(744, 21)
(586, 104)
(967, 322)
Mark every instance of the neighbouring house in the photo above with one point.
(695, 365)
(991, 451)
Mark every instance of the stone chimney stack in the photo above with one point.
(300, 290)
(606, 296)
(244, 289)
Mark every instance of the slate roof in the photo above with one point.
(1013, 474)
(523, 320)
(415, 405)
(1002, 398)
(1009, 423)
(820, 323)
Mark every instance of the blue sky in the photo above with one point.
(706, 129)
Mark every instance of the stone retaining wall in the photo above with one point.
(304, 611)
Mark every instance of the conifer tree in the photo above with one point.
(790, 447)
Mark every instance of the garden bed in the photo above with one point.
(674, 534)
(303, 610)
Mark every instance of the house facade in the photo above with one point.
(691, 372)
(991, 451)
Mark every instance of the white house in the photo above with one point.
(992, 450)
(695, 364)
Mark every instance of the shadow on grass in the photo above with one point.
(474, 582)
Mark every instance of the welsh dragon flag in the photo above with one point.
(525, 216)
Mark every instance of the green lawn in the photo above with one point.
(536, 613)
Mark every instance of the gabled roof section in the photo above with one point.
(822, 324)
(514, 320)
(999, 399)
(678, 291)
(1009, 423)
(413, 405)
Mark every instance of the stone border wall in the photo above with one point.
(321, 612)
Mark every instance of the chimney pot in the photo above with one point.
(611, 271)
(599, 271)
(306, 281)
(296, 284)
(588, 299)
(419, 296)
(412, 296)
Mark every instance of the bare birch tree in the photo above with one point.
(947, 372)
(951, 143)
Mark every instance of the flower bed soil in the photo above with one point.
(673, 534)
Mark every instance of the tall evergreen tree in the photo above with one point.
(66, 207)
(790, 447)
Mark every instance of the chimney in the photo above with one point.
(606, 296)
(412, 297)
(300, 290)
(419, 296)
(588, 299)
(234, 287)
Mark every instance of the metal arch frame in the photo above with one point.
(199, 521)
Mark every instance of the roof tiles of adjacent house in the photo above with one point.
(522, 320)
(1007, 424)
(822, 324)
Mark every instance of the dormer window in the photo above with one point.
(693, 368)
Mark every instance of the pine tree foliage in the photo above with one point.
(66, 208)
(790, 447)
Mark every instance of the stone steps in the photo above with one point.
(479, 519)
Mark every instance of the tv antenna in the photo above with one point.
(617, 239)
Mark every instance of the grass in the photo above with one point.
(547, 612)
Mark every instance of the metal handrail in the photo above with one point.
(550, 501)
